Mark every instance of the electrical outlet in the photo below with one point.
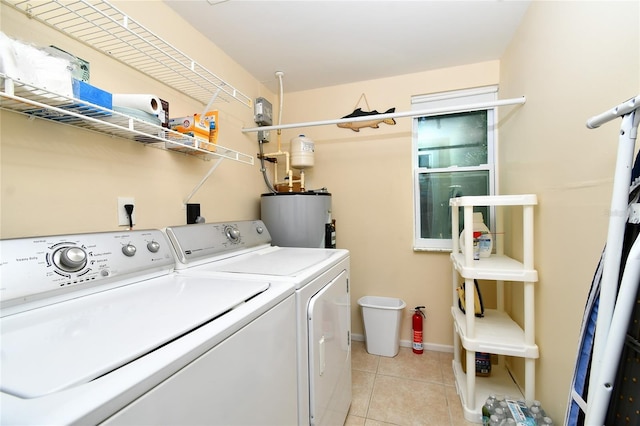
(193, 213)
(123, 217)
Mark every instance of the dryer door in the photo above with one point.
(329, 326)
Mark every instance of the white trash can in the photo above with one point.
(382, 317)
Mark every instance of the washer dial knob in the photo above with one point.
(71, 259)
(233, 233)
(129, 250)
(153, 246)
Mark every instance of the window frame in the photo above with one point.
(458, 98)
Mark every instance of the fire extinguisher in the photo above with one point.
(417, 317)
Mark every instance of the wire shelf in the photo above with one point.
(39, 103)
(105, 28)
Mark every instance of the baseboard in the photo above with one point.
(407, 344)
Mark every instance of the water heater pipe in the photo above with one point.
(263, 169)
(288, 171)
(280, 74)
(275, 169)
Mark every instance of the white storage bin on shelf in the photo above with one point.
(496, 332)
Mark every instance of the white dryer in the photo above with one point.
(323, 314)
(97, 329)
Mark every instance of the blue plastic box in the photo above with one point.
(84, 92)
(88, 93)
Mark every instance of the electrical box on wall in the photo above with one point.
(264, 136)
(263, 112)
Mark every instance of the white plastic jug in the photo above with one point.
(485, 241)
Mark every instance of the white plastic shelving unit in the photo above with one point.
(496, 332)
(100, 25)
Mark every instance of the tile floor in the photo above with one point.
(407, 389)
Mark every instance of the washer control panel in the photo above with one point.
(199, 241)
(34, 268)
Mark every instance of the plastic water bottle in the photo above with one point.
(494, 421)
(488, 409)
(500, 411)
(536, 414)
(539, 405)
(500, 414)
(491, 401)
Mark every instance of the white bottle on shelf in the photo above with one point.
(485, 241)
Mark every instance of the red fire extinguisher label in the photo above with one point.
(417, 340)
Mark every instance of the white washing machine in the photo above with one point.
(97, 329)
(321, 281)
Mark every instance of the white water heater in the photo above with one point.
(302, 149)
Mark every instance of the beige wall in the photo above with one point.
(369, 174)
(56, 179)
(568, 60)
(572, 60)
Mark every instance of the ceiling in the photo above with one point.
(324, 43)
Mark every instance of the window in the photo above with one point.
(453, 156)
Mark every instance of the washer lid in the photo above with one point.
(278, 261)
(55, 347)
